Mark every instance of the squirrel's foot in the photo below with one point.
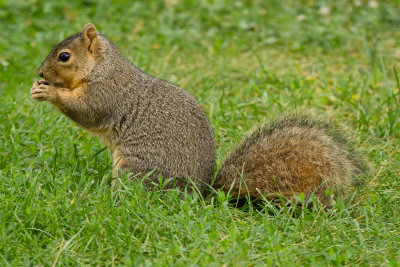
(43, 91)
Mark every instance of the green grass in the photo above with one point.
(244, 61)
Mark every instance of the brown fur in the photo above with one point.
(291, 155)
(150, 124)
(153, 125)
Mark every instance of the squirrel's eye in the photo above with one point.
(64, 56)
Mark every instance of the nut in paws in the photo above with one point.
(42, 90)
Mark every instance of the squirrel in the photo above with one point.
(150, 125)
(156, 128)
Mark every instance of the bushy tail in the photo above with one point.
(291, 155)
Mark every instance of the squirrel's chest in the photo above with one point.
(105, 135)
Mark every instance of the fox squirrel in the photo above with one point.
(154, 126)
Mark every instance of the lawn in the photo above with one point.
(245, 62)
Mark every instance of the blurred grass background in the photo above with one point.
(244, 61)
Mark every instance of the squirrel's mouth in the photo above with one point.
(45, 82)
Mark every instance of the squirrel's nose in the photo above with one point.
(39, 71)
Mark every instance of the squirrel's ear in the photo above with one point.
(90, 37)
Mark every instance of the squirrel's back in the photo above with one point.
(291, 155)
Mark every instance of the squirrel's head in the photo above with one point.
(71, 61)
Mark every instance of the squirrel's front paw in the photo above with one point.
(43, 91)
